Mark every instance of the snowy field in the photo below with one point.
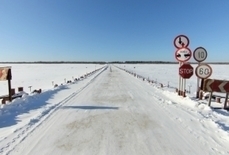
(43, 76)
(109, 112)
(168, 74)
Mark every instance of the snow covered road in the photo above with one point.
(118, 114)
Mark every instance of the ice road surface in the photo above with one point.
(112, 113)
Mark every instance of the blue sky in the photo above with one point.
(111, 30)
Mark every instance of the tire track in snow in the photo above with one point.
(203, 123)
(130, 130)
(20, 134)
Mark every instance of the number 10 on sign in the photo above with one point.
(200, 54)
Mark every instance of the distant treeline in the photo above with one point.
(163, 62)
(103, 62)
(56, 62)
(144, 62)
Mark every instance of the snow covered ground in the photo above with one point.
(43, 76)
(168, 74)
(108, 113)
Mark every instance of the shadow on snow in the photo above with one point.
(10, 112)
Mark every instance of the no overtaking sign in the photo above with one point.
(183, 54)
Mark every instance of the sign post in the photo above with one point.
(9, 77)
(185, 71)
(214, 85)
(5, 75)
(200, 54)
(182, 54)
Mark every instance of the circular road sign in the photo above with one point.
(203, 71)
(181, 41)
(200, 54)
(183, 54)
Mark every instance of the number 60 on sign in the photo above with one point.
(203, 71)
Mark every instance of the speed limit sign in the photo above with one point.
(203, 71)
(200, 54)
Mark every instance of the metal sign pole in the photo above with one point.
(199, 54)
(203, 71)
(182, 82)
(182, 54)
(198, 85)
(179, 84)
(184, 92)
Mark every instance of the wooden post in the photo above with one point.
(226, 100)
(9, 87)
(209, 99)
(20, 89)
(12, 91)
(189, 88)
(202, 84)
(30, 88)
(9, 77)
(200, 95)
(161, 85)
(218, 100)
(3, 101)
(198, 85)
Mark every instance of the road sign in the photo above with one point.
(181, 41)
(186, 71)
(4, 73)
(200, 54)
(183, 54)
(213, 85)
(203, 71)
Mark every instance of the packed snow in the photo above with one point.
(109, 112)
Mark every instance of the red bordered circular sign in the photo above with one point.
(181, 41)
(183, 54)
(203, 71)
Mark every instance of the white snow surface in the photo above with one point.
(110, 112)
(167, 74)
